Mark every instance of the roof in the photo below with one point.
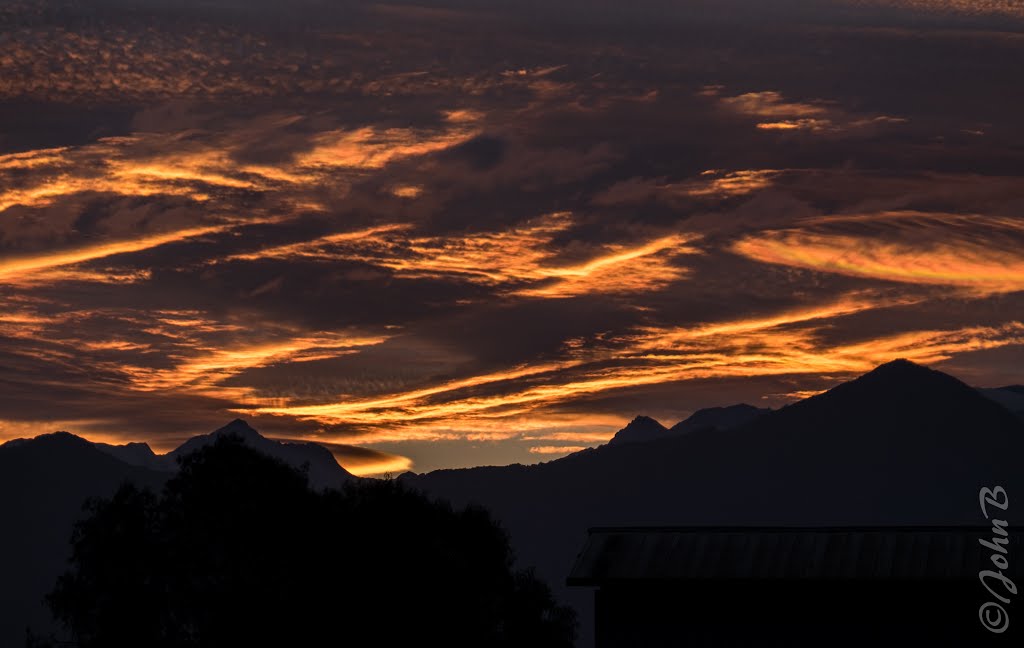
(634, 554)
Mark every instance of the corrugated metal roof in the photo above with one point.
(847, 553)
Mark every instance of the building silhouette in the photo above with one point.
(795, 587)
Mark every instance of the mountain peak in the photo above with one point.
(900, 367)
(60, 438)
(720, 418)
(240, 428)
(137, 454)
(321, 466)
(904, 376)
(642, 428)
(904, 391)
(644, 421)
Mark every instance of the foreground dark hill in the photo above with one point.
(900, 445)
(43, 483)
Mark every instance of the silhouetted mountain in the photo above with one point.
(882, 448)
(1012, 398)
(640, 429)
(643, 428)
(322, 468)
(43, 484)
(138, 454)
(719, 418)
(900, 445)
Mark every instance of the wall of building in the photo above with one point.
(793, 614)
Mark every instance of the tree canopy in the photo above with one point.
(237, 550)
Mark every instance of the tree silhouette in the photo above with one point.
(238, 551)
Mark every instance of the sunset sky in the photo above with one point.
(487, 232)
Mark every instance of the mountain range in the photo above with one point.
(902, 444)
(320, 466)
(644, 428)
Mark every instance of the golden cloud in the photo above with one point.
(518, 260)
(556, 450)
(979, 254)
(713, 183)
(18, 268)
(372, 464)
(776, 113)
(154, 164)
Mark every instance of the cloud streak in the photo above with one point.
(976, 253)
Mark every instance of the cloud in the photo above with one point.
(519, 260)
(13, 269)
(977, 253)
(713, 183)
(775, 113)
(555, 450)
(367, 462)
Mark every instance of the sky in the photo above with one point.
(482, 232)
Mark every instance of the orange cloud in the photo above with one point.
(772, 104)
(556, 450)
(367, 466)
(779, 114)
(714, 183)
(407, 191)
(941, 251)
(622, 269)
(148, 164)
(14, 269)
(320, 248)
(516, 260)
(796, 124)
(372, 148)
(203, 369)
(107, 167)
(849, 304)
(580, 437)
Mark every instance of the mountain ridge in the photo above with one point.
(322, 468)
(901, 445)
(320, 465)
